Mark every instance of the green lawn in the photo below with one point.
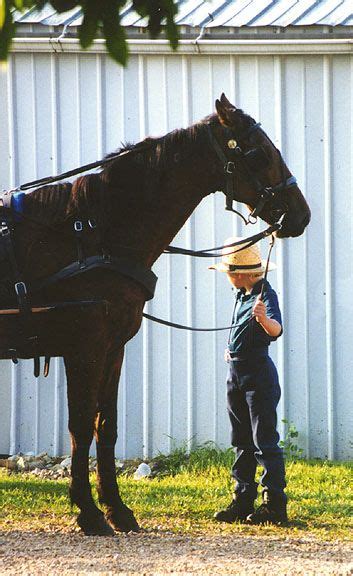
(187, 491)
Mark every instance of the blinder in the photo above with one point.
(257, 158)
(253, 160)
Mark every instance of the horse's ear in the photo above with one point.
(224, 113)
(226, 102)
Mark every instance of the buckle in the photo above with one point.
(21, 289)
(4, 230)
(252, 218)
(13, 354)
(267, 193)
(229, 167)
(78, 226)
(92, 223)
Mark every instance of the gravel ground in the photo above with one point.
(154, 553)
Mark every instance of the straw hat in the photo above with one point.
(246, 261)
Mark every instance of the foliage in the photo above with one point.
(200, 458)
(180, 460)
(320, 499)
(290, 449)
(103, 16)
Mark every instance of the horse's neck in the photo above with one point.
(149, 228)
(173, 215)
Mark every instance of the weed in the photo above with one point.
(291, 450)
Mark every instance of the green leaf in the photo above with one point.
(18, 4)
(64, 5)
(39, 4)
(6, 34)
(88, 28)
(172, 33)
(140, 6)
(154, 22)
(115, 36)
(2, 13)
(158, 12)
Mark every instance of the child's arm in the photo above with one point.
(270, 325)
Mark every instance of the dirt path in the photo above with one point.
(35, 553)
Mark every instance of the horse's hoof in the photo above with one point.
(94, 525)
(123, 520)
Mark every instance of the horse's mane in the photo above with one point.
(56, 203)
(158, 152)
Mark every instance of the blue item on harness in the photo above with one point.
(17, 205)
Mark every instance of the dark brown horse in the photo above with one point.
(132, 209)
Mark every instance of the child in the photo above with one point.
(253, 390)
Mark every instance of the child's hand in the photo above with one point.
(259, 310)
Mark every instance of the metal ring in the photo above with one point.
(252, 219)
(78, 226)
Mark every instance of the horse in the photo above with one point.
(125, 216)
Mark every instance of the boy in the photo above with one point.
(253, 390)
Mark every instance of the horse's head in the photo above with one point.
(256, 172)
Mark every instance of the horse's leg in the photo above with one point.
(118, 514)
(83, 376)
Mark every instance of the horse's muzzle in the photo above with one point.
(292, 229)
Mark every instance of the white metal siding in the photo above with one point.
(58, 111)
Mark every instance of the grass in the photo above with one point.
(186, 492)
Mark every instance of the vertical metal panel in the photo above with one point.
(62, 109)
(342, 245)
(159, 346)
(315, 186)
(189, 277)
(204, 375)
(295, 310)
(223, 80)
(281, 247)
(5, 180)
(177, 110)
(327, 97)
(123, 94)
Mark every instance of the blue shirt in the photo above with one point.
(248, 337)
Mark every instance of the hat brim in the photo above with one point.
(222, 267)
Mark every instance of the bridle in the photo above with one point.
(235, 156)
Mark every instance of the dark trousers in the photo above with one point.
(253, 394)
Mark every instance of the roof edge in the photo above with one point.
(206, 47)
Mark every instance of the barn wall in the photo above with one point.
(58, 111)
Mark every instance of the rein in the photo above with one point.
(123, 265)
(12, 199)
(191, 328)
(213, 252)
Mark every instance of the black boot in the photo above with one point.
(238, 510)
(273, 510)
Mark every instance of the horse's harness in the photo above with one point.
(252, 161)
(11, 210)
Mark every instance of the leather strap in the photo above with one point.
(120, 264)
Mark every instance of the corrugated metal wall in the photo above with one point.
(61, 110)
